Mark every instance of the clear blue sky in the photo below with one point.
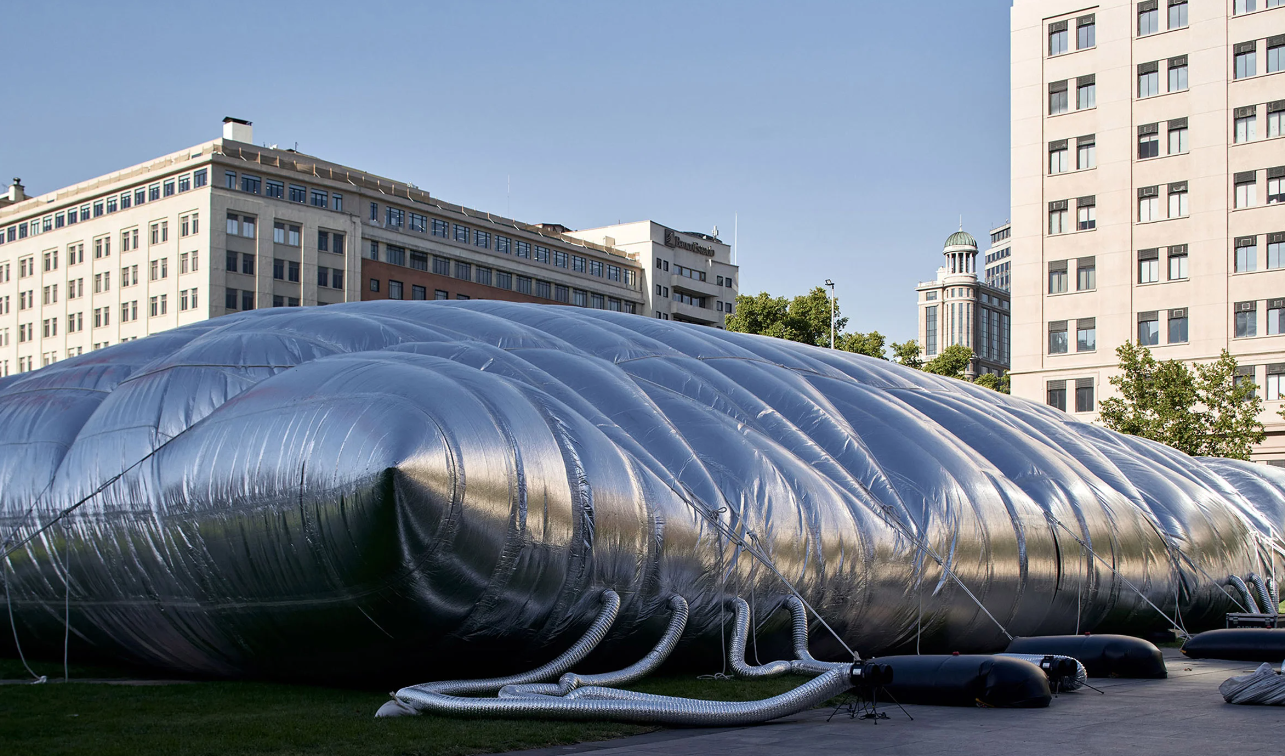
(848, 136)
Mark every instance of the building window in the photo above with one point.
(503, 244)
(1275, 185)
(418, 292)
(1178, 137)
(463, 271)
(1246, 254)
(1178, 73)
(1086, 95)
(292, 271)
(1058, 157)
(503, 280)
(394, 254)
(247, 264)
(1148, 79)
(1086, 216)
(1246, 189)
(200, 177)
(1059, 38)
(1245, 125)
(1177, 14)
(1244, 6)
(278, 269)
(441, 266)
(1148, 141)
(1276, 53)
(337, 243)
(1276, 250)
(1148, 204)
(580, 298)
(1275, 317)
(522, 285)
(1245, 374)
(247, 300)
(461, 234)
(337, 202)
(484, 276)
(1178, 326)
(1148, 18)
(1086, 152)
(395, 217)
(439, 294)
(1178, 262)
(374, 212)
(482, 239)
(319, 199)
(562, 293)
(250, 184)
(1148, 328)
(1086, 334)
(1178, 200)
(1057, 337)
(1084, 395)
(374, 284)
(1058, 217)
(1057, 395)
(1246, 60)
(1246, 319)
(930, 331)
(1085, 32)
(274, 189)
(1058, 102)
(1148, 265)
(1086, 274)
(394, 289)
(439, 228)
(279, 233)
(323, 241)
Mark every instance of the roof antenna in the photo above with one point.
(961, 221)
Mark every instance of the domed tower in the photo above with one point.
(960, 308)
(961, 253)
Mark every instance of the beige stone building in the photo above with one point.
(1148, 192)
(958, 307)
(227, 226)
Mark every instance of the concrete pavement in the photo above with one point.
(1181, 715)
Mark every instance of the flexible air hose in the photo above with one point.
(1250, 605)
(1264, 596)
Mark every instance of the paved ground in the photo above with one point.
(1181, 715)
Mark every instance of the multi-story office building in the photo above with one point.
(226, 226)
(959, 308)
(692, 276)
(1148, 186)
(998, 271)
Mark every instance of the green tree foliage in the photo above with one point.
(952, 362)
(994, 382)
(1198, 410)
(805, 319)
(909, 354)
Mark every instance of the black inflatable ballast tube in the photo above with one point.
(967, 680)
(1255, 644)
(1101, 655)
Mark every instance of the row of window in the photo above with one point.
(1245, 187)
(106, 206)
(398, 255)
(102, 317)
(1246, 253)
(102, 247)
(1176, 141)
(1060, 35)
(1245, 57)
(285, 233)
(999, 276)
(398, 218)
(1083, 388)
(564, 294)
(1245, 122)
(252, 184)
(1086, 154)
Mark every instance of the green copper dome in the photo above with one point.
(961, 239)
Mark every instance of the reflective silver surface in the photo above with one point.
(402, 490)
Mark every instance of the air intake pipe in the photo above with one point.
(1250, 605)
(1265, 596)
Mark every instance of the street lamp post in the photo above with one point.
(830, 283)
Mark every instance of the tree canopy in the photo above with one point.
(805, 318)
(1200, 409)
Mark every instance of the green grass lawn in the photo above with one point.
(229, 718)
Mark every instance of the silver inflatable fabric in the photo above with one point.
(405, 489)
(1263, 686)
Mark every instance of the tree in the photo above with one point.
(870, 344)
(994, 382)
(908, 353)
(952, 362)
(1204, 411)
(805, 319)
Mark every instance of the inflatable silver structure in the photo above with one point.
(405, 491)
